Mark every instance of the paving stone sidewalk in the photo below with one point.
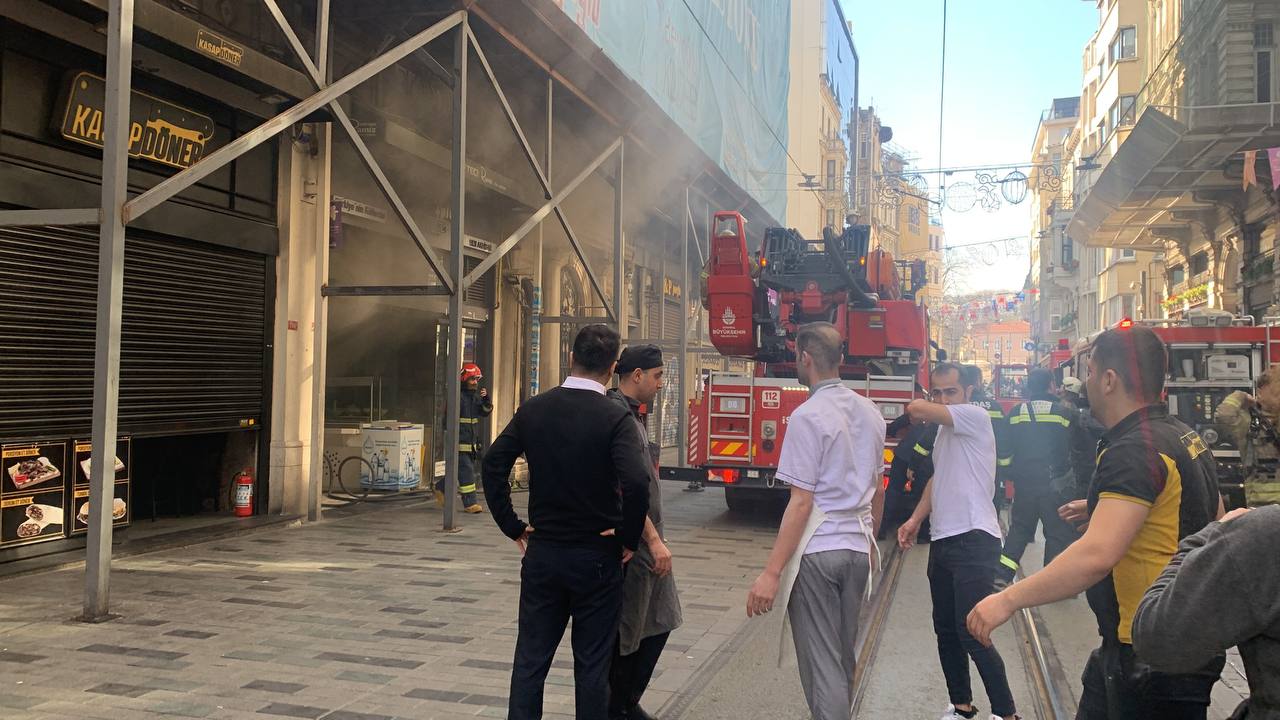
(371, 617)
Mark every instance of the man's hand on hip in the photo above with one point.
(522, 542)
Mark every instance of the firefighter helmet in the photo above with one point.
(471, 371)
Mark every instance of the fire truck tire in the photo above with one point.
(751, 500)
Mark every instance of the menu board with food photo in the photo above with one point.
(32, 518)
(32, 495)
(84, 460)
(80, 506)
(78, 510)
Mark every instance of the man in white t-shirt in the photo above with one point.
(832, 457)
(965, 538)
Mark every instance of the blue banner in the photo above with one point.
(719, 68)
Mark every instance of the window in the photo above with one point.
(913, 215)
(1127, 254)
(1122, 113)
(831, 174)
(1262, 64)
(1125, 44)
(1199, 263)
(1263, 35)
(1177, 274)
(1068, 252)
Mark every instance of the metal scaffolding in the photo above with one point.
(117, 211)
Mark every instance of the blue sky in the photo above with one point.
(1006, 61)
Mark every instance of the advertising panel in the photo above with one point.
(719, 68)
(79, 506)
(33, 481)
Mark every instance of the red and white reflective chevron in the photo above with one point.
(695, 437)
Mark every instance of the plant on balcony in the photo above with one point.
(1189, 296)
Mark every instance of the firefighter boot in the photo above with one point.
(470, 504)
(439, 498)
(1005, 573)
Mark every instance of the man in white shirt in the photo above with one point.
(965, 536)
(832, 457)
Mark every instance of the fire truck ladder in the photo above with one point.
(732, 438)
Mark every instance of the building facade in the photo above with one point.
(287, 301)
(1055, 266)
(1206, 97)
(821, 115)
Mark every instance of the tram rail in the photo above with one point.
(1052, 698)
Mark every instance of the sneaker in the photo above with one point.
(473, 509)
(952, 713)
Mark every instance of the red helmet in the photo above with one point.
(471, 371)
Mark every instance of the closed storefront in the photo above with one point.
(199, 278)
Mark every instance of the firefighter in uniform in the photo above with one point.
(1249, 421)
(1038, 454)
(475, 404)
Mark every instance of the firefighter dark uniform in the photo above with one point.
(1000, 428)
(1037, 461)
(909, 473)
(473, 406)
(1154, 460)
(1259, 449)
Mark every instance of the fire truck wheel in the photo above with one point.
(751, 500)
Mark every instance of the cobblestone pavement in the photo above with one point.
(377, 615)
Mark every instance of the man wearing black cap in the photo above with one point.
(650, 603)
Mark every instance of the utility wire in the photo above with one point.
(942, 90)
(742, 86)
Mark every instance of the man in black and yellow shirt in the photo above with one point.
(1154, 484)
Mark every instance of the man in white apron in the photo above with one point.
(832, 457)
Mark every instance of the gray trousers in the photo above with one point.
(823, 610)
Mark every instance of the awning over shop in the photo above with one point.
(1174, 159)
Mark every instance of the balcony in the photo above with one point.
(833, 145)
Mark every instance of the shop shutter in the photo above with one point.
(480, 293)
(671, 322)
(192, 352)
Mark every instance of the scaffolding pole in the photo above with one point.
(106, 353)
(458, 200)
(618, 242)
(682, 431)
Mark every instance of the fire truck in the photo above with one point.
(737, 422)
(1008, 385)
(1211, 355)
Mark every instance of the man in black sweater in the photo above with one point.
(588, 498)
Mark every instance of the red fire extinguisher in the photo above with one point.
(244, 493)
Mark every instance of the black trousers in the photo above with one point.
(1117, 686)
(961, 572)
(1035, 504)
(559, 582)
(629, 675)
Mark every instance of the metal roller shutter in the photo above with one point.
(192, 354)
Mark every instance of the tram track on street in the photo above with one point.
(1051, 695)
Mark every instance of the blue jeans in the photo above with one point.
(961, 573)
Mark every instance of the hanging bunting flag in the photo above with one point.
(1273, 156)
(1250, 168)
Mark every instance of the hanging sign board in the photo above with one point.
(33, 481)
(158, 130)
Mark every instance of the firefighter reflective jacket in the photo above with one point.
(1037, 445)
(1258, 451)
(474, 407)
